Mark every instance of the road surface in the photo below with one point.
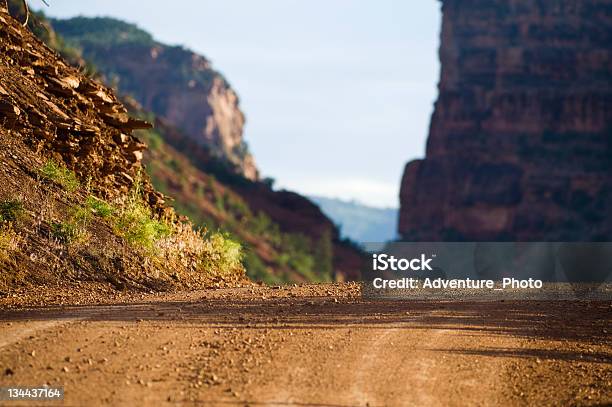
(313, 345)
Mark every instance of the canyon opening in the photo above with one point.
(279, 202)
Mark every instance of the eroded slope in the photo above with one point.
(74, 201)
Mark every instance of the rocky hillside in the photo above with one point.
(211, 198)
(286, 238)
(520, 141)
(176, 84)
(75, 205)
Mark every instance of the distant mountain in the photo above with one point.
(359, 222)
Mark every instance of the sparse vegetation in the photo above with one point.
(262, 225)
(9, 241)
(74, 230)
(136, 223)
(99, 207)
(11, 211)
(324, 256)
(222, 254)
(257, 270)
(293, 256)
(68, 232)
(101, 31)
(151, 137)
(60, 175)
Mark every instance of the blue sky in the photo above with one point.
(337, 93)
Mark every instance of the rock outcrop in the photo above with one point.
(64, 113)
(520, 142)
(174, 83)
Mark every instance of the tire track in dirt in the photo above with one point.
(381, 364)
(378, 366)
(17, 332)
(405, 367)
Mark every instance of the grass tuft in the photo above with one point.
(11, 211)
(74, 231)
(137, 225)
(222, 254)
(9, 242)
(60, 175)
(69, 232)
(99, 207)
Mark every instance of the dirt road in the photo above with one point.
(309, 346)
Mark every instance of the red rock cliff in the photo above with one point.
(520, 142)
(176, 84)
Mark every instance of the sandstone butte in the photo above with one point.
(520, 141)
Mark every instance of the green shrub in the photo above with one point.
(262, 225)
(60, 175)
(311, 260)
(174, 164)
(138, 226)
(81, 216)
(222, 254)
(257, 270)
(68, 232)
(9, 242)
(10, 211)
(152, 138)
(324, 256)
(73, 230)
(237, 206)
(136, 223)
(99, 207)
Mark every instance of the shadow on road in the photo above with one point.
(544, 354)
(585, 322)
